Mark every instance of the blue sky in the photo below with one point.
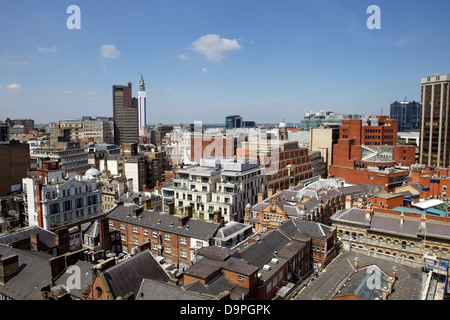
(205, 59)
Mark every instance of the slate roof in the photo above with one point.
(390, 223)
(85, 278)
(127, 276)
(217, 258)
(156, 290)
(315, 229)
(46, 238)
(168, 223)
(261, 252)
(33, 275)
(355, 215)
(408, 284)
(215, 287)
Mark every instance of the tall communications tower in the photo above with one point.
(142, 105)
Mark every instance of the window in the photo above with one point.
(241, 278)
(145, 232)
(167, 249)
(122, 226)
(154, 245)
(135, 229)
(135, 240)
(183, 253)
(167, 237)
(154, 234)
(183, 240)
(123, 237)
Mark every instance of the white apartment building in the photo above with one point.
(54, 199)
(223, 185)
(70, 159)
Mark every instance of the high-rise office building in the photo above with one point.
(434, 132)
(142, 102)
(408, 115)
(233, 121)
(125, 112)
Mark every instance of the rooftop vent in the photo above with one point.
(267, 267)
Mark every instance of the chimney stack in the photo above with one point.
(188, 211)
(394, 272)
(34, 240)
(9, 266)
(148, 204)
(402, 218)
(423, 222)
(137, 211)
(385, 293)
(260, 196)
(356, 263)
(348, 202)
(171, 208)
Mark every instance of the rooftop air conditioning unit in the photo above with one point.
(267, 267)
(274, 260)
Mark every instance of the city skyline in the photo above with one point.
(203, 60)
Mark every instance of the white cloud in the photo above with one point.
(13, 86)
(91, 93)
(45, 49)
(67, 91)
(205, 70)
(18, 63)
(183, 57)
(214, 47)
(109, 51)
(404, 41)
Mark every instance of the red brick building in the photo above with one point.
(389, 180)
(372, 146)
(175, 238)
(211, 145)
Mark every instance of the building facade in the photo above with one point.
(285, 162)
(53, 199)
(407, 113)
(71, 159)
(175, 238)
(216, 185)
(434, 133)
(125, 112)
(404, 235)
(15, 162)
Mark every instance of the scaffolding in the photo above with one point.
(437, 280)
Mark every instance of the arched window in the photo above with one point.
(374, 240)
(99, 293)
